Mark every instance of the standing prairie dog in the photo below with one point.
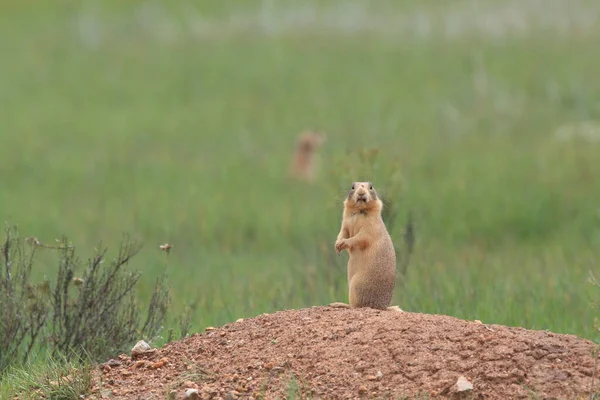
(304, 161)
(372, 262)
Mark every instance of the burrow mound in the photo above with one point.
(333, 353)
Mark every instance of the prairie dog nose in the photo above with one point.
(361, 195)
(361, 190)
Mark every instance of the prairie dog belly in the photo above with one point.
(371, 276)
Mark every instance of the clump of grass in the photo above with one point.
(293, 389)
(54, 378)
(297, 389)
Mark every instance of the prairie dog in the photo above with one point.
(372, 262)
(304, 161)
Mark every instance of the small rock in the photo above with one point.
(113, 363)
(190, 385)
(371, 378)
(126, 373)
(160, 363)
(239, 320)
(105, 394)
(172, 394)
(233, 395)
(138, 364)
(192, 394)
(379, 375)
(269, 365)
(140, 348)
(463, 384)
(362, 390)
(209, 328)
(212, 392)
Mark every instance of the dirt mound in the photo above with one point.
(330, 353)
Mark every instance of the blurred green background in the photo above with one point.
(175, 122)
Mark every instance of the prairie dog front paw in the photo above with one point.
(340, 245)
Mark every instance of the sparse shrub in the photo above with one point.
(98, 312)
(92, 315)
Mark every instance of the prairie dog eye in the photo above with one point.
(370, 186)
(353, 186)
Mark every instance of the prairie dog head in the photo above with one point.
(310, 141)
(362, 197)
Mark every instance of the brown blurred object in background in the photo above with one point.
(304, 161)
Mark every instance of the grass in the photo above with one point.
(50, 378)
(175, 122)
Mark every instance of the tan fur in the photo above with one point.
(372, 259)
(304, 161)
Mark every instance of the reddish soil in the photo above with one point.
(333, 353)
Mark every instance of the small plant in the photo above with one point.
(185, 319)
(185, 323)
(293, 389)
